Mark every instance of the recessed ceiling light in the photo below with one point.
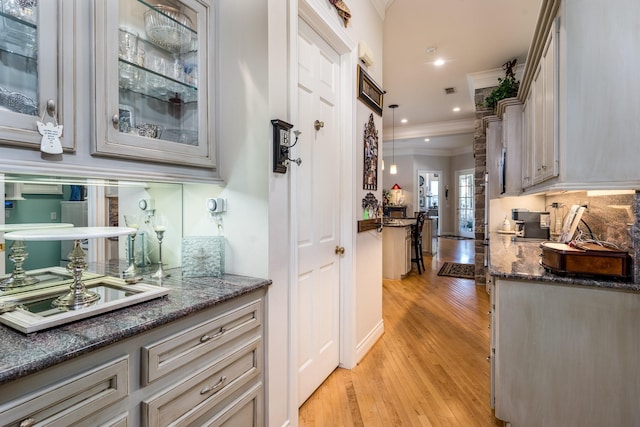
(404, 121)
(456, 109)
(426, 140)
(438, 62)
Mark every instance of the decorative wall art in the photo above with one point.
(369, 92)
(370, 165)
(342, 9)
(371, 206)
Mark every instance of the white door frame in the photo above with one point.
(457, 202)
(319, 17)
(440, 192)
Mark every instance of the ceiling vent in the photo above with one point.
(449, 90)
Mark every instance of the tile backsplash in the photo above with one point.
(612, 218)
(608, 217)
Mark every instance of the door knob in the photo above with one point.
(318, 124)
(339, 250)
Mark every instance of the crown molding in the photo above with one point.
(451, 127)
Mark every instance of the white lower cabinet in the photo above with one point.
(565, 355)
(72, 401)
(204, 369)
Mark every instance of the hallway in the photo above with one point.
(429, 368)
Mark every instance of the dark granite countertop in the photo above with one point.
(399, 222)
(22, 355)
(521, 260)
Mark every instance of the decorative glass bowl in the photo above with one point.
(168, 28)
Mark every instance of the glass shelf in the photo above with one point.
(155, 8)
(18, 36)
(146, 82)
(169, 28)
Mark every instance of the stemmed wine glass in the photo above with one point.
(132, 272)
(159, 223)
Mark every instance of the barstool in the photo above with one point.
(416, 237)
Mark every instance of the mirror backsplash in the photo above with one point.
(90, 202)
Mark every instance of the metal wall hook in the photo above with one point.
(285, 150)
(281, 146)
(318, 124)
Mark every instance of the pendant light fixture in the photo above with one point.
(393, 169)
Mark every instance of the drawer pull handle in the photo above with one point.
(206, 390)
(28, 422)
(206, 338)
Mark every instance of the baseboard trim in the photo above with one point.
(368, 342)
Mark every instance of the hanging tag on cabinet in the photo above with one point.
(51, 134)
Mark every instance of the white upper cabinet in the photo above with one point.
(36, 76)
(511, 112)
(495, 157)
(154, 74)
(540, 154)
(505, 149)
(580, 92)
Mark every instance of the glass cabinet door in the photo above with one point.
(154, 91)
(32, 85)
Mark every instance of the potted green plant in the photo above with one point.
(507, 87)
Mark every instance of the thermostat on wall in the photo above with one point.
(216, 205)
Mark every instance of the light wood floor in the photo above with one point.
(429, 368)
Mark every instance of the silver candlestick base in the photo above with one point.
(132, 273)
(18, 276)
(160, 273)
(78, 296)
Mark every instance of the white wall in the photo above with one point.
(280, 397)
(501, 207)
(368, 257)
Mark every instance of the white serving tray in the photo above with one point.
(39, 314)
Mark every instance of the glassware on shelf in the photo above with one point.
(168, 28)
(18, 19)
(24, 10)
(159, 223)
(128, 47)
(132, 273)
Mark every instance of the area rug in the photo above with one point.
(454, 269)
(448, 236)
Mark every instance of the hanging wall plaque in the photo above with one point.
(370, 166)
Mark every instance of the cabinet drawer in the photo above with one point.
(245, 410)
(191, 399)
(67, 402)
(164, 356)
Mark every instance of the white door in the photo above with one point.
(318, 211)
(465, 203)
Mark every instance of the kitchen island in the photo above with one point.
(564, 349)
(192, 356)
(396, 248)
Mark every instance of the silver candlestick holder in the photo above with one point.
(159, 223)
(78, 296)
(132, 273)
(19, 277)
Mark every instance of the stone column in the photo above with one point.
(480, 157)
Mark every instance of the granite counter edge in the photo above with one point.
(91, 344)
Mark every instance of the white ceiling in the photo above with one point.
(474, 37)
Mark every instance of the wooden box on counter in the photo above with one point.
(589, 259)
